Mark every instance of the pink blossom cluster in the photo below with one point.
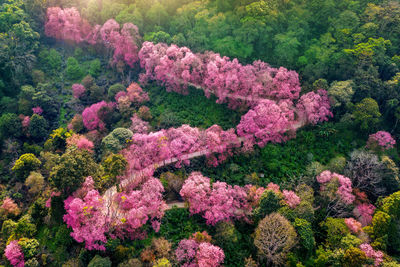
(177, 67)
(142, 205)
(216, 202)
(26, 120)
(87, 220)
(291, 198)
(78, 90)
(267, 122)
(354, 225)
(382, 139)
(345, 186)
(134, 94)
(156, 147)
(93, 218)
(193, 254)
(315, 106)
(363, 212)
(9, 207)
(377, 255)
(92, 115)
(80, 141)
(14, 254)
(37, 110)
(67, 24)
(139, 126)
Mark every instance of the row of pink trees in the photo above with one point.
(222, 202)
(67, 24)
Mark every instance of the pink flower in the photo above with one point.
(353, 225)
(78, 90)
(274, 187)
(84, 143)
(14, 254)
(324, 177)
(291, 198)
(25, 122)
(371, 253)
(37, 110)
(364, 212)
(10, 207)
(383, 139)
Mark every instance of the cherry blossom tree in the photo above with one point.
(363, 212)
(37, 110)
(91, 116)
(382, 139)
(315, 106)
(219, 202)
(353, 225)
(192, 253)
(9, 207)
(14, 254)
(345, 187)
(66, 24)
(291, 198)
(371, 253)
(78, 90)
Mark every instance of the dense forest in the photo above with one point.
(199, 133)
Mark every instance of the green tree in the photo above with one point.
(38, 127)
(25, 164)
(306, 235)
(74, 70)
(366, 114)
(10, 126)
(98, 261)
(72, 169)
(114, 89)
(95, 67)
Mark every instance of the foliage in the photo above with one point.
(25, 164)
(274, 238)
(72, 169)
(35, 182)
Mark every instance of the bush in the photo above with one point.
(306, 235)
(35, 182)
(10, 126)
(269, 202)
(335, 229)
(25, 164)
(95, 67)
(116, 140)
(114, 89)
(38, 127)
(98, 261)
(73, 70)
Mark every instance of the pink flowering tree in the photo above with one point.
(93, 218)
(78, 90)
(216, 202)
(344, 190)
(291, 198)
(142, 205)
(373, 254)
(267, 122)
(37, 110)
(139, 126)
(314, 107)
(191, 253)
(87, 220)
(363, 212)
(9, 207)
(91, 116)
(66, 24)
(353, 225)
(381, 140)
(14, 254)
(338, 192)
